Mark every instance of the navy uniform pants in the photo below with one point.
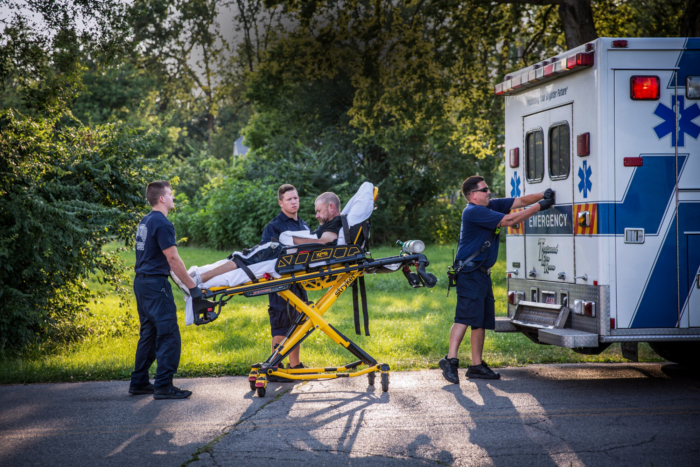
(475, 302)
(160, 335)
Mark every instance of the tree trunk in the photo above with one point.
(690, 22)
(577, 19)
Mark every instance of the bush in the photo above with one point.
(64, 192)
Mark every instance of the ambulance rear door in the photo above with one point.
(549, 239)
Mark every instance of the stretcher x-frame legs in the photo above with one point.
(311, 320)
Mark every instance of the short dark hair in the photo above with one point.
(471, 184)
(283, 189)
(155, 190)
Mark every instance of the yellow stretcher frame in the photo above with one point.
(337, 279)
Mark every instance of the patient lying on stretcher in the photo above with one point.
(261, 260)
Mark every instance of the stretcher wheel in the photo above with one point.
(252, 385)
(385, 382)
(370, 377)
(261, 392)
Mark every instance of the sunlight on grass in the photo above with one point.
(409, 330)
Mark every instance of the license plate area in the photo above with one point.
(550, 298)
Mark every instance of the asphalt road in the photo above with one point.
(582, 414)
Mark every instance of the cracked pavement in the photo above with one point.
(577, 414)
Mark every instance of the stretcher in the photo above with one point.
(317, 267)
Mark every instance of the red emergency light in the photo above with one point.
(514, 156)
(645, 88)
(620, 44)
(579, 60)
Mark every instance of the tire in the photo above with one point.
(385, 382)
(371, 377)
(683, 353)
(252, 385)
(261, 392)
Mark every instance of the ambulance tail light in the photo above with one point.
(579, 60)
(645, 88)
(583, 307)
(620, 44)
(514, 297)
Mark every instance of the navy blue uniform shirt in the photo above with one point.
(282, 223)
(279, 224)
(154, 234)
(478, 223)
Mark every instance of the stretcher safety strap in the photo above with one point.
(241, 265)
(355, 305)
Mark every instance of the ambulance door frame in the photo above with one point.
(545, 143)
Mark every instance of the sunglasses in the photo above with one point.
(483, 190)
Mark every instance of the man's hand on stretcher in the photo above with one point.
(327, 237)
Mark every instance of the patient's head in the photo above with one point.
(327, 207)
(288, 200)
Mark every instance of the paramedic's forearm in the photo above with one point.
(526, 200)
(178, 267)
(511, 219)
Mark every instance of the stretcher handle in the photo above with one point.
(428, 279)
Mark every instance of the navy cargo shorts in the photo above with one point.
(475, 302)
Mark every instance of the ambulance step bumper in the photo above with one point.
(503, 324)
(569, 338)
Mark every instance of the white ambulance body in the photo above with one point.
(613, 127)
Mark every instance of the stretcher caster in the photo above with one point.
(261, 392)
(252, 385)
(385, 382)
(371, 377)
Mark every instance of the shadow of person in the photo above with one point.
(498, 430)
(415, 450)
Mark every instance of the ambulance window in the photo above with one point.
(559, 151)
(534, 147)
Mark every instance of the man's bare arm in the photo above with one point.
(526, 200)
(513, 218)
(178, 266)
(327, 237)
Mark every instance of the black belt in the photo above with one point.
(140, 275)
(472, 264)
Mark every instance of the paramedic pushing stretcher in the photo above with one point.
(475, 257)
(159, 335)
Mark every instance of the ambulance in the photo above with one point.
(613, 127)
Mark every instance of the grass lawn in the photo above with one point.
(409, 330)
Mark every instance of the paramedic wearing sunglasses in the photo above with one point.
(475, 302)
(159, 335)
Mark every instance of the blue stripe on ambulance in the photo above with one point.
(688, 62)
(647, 198)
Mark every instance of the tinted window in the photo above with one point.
(559, 151)
(534, 145)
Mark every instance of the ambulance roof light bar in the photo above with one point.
(546, 69)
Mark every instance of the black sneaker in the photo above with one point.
(481, 371)
(140, 390)
(282, 379)
(449, 369)
(172, 392)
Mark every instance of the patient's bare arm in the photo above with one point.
(228, 266)
(327, 237)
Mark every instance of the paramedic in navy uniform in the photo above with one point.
(156, 254)
(280, 321)
(475, 303)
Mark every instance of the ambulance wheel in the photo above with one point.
(683, 353)
(371, 377)
(385, 382)
(261, 392)
(252, 385)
